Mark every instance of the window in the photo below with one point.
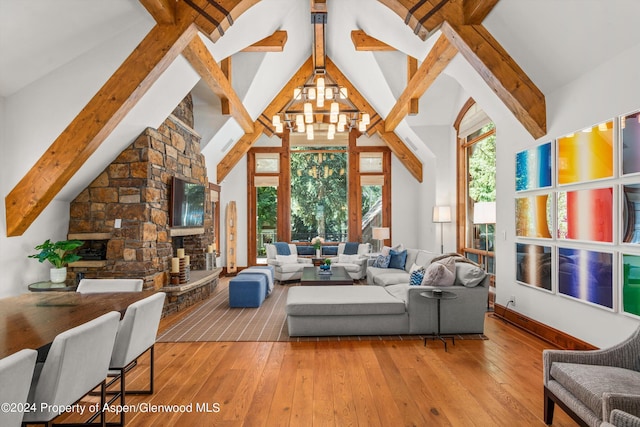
(476, 185)
(335, 189)
(319, 194)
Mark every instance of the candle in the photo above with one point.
(187, 260)
(210, 249)
(175, 265)
(180, 252)
(214, 247)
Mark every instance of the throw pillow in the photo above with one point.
(282, 248)
(440, 273)
(382, 261)
(287, 259)
(416, 276)
(433, 274)
(414, 267)
(398, 259)
(468, 275)
(449, 277)
(351, 248)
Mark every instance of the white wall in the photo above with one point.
(33, 118)
(234, 188)
(599, 95)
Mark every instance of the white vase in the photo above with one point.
(58, 275)
(318, 253)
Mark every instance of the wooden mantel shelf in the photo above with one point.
(198, 278)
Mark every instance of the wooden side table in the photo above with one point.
(439, 295)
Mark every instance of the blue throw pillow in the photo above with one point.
(416, 277)
(398, 259)
(351, 248)
(382, 261)
(282, 248)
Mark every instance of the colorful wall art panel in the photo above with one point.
(630, 131)
(586, 215)
(631, 284)
(533, 168)
(631, 213)
(586, 155)
(586, 275)
(534, 265)
(533, 216)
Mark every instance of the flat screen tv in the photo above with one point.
(187, 204)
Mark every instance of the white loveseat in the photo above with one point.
(355, 264)
(287, 267)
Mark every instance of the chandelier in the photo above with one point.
(315, 101)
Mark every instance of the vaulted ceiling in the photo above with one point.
(393, 54)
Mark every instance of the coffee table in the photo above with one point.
(311, 276)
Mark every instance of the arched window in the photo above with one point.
(476, 184)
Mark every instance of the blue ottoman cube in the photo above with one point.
(247, 290)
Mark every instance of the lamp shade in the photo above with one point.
(484, 213)
(380, 233)
(441, 214)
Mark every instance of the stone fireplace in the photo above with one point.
(127, 206)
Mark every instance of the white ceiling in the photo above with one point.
(554, 42)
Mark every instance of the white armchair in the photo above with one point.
(355, 264)
(287, 267)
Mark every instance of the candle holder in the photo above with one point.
(175, 278)
(210, 260)
(183, 271)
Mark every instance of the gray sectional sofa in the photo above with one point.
(393, 307)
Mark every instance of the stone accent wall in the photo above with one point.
(136, 188)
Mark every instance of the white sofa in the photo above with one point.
(356, 264)
(391, 276)
(286, 267)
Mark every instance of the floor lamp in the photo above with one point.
(441, 214)
(485, 213)
(380, 234)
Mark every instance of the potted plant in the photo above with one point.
(317, 244)
(327, 265)
(59, 254)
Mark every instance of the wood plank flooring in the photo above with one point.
(496, 382)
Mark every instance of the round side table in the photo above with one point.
(48, 286)
(439, 295)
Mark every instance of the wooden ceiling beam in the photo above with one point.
(214, 17)
(437, 59)
(364, 42)
(273, 43)
(163, 11)
(502, 74)
(201, 60)
(377, 125)
(474, 11)
(319, 53)
(225, 66)
(412, 69)
(263, 123)
(93, 124)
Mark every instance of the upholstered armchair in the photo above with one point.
(589, 385)
(355, 263)
(286, 266)
(620, 418)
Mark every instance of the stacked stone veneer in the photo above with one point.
(136, 188)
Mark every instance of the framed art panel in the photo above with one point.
(533, 216)
(631, 284)
(586, 215)
(631, 213)
(533, 265)
(586, 276)
(586, 155)
(533, 168)
(630, 138)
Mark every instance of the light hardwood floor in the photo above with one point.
(495, 382)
